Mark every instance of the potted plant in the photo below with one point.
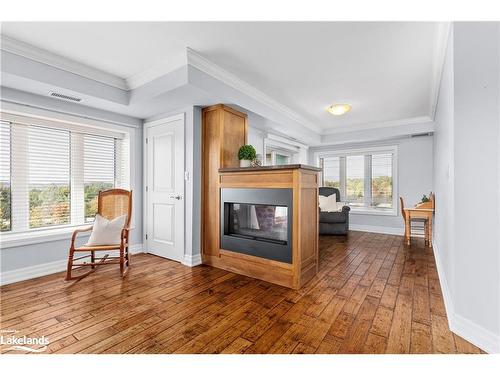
(246, 154)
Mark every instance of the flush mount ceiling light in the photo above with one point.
(339, 109)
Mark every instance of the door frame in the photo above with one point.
(147, 125)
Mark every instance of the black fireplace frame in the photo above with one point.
(257, 247)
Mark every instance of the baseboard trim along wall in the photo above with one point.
(377, 229)
(463, 327)
(191, 260)
(44, 269)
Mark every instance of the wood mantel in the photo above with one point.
(303, 180)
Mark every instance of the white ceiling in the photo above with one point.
(385, 70)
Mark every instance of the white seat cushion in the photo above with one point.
(106, 232)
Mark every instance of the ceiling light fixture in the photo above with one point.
(339, 109)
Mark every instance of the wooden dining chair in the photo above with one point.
(409, 221)
(110, 205)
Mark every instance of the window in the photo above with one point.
(5, 189)
(99, 170)
(52, 172)
(274, 157)
(48, 177)
(365, 178)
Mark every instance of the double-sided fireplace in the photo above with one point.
(257, 222)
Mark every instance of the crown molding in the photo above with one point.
(377, 125)
(201, 63)
(156, 71)
(45, 57)
(438, 59)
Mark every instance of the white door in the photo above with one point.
(165, 188)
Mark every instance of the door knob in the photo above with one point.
(173, 196)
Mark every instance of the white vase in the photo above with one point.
(244, 163)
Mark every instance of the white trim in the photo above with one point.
(156, 71)
(57, 61)
(461, 326)
(438, 60)
(377, 229)
(52, 115)
(44, 269)
(373, 211)
(203, 64)
(191, 260)
(378, 125)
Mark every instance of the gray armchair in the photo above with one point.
(333, 222)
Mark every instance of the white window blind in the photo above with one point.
(5, 185)
(381, 180)
(48, 176)
(99, 170)
(51, 176)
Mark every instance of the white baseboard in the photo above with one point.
(44, 269)
(191, 260)
(461, 326)
(377, 229)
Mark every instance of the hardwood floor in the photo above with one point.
(372, 295)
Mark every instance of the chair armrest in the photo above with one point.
(75, 233)
(346, 209)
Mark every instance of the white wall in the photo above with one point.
(16, 258)
(467, 168)
(415, 160)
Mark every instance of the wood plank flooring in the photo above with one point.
(372, 295)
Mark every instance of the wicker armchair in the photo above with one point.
(110, 204)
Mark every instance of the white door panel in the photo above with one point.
(165, 189)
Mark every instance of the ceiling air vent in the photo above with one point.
(420, 135)
(65, 97)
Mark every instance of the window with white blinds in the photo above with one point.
(99, 170)
(51, 176)
(365, 178)
(5, 189)
(48, 176)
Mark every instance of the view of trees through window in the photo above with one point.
(99, 170)
(48, 161)
(5, 192)
(361, 186)
(48, 176)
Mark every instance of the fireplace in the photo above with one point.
(257, 222)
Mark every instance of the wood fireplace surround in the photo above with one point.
(224, 131)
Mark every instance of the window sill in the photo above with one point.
(372, 211)
(34, 237)
(39, 236)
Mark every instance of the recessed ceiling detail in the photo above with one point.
(389, 71)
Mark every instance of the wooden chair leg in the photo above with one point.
(122, 261)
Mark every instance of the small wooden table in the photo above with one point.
(420, 211)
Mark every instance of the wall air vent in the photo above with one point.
(65, 97)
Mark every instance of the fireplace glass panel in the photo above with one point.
(257, 222)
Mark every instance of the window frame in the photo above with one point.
(393, 149)
(77, 126)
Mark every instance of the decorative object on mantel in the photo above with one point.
(256, 163)
(246, 155)
(425, 199)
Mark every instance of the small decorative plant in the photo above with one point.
(425, 199)
(246, 154)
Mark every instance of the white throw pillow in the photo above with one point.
(106, 232)
(328, 204)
